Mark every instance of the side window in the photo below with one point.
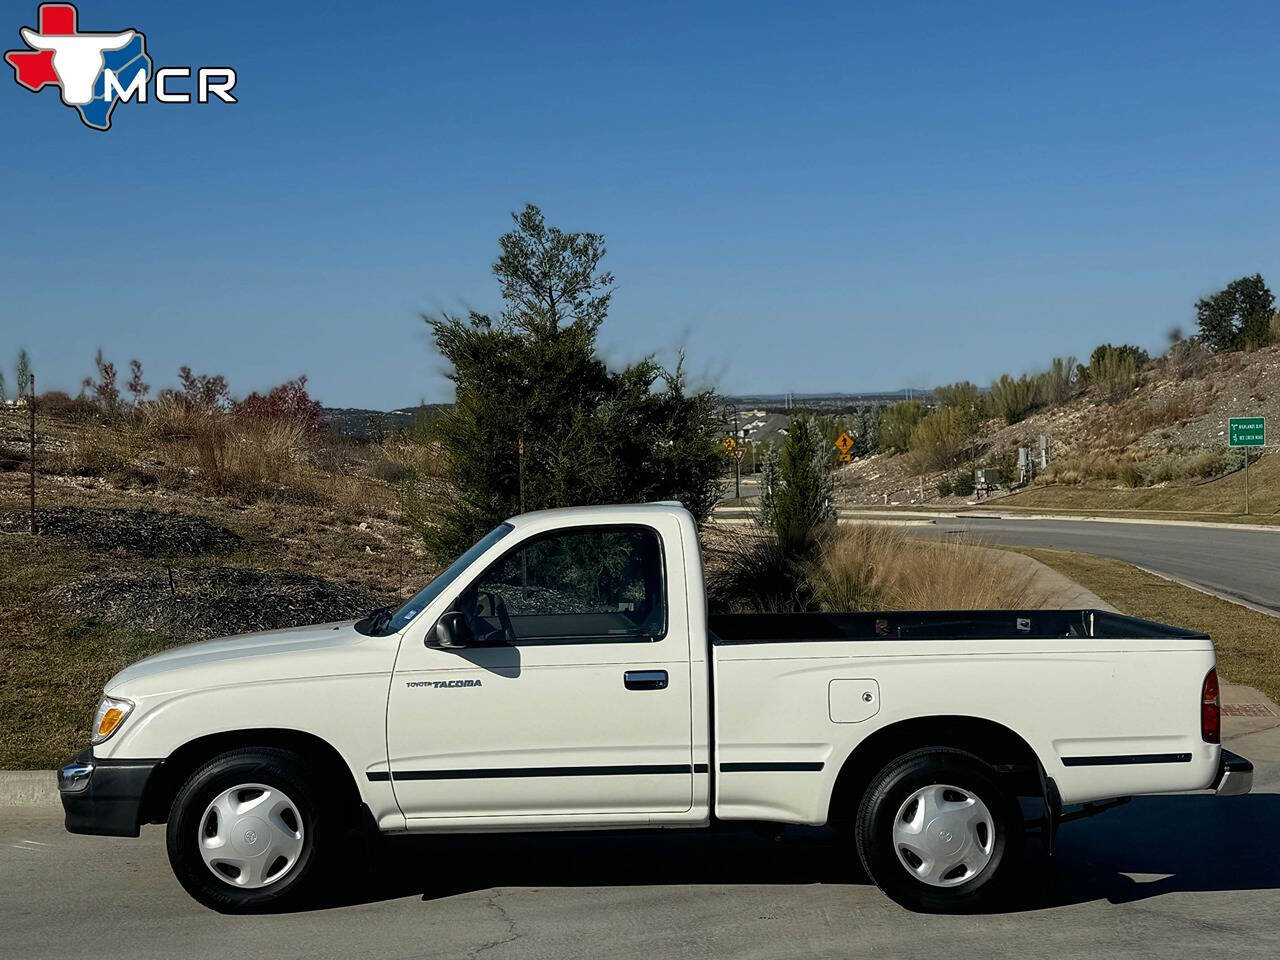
(588, 583)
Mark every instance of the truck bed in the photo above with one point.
(1109, 704)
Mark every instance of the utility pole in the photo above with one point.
(737, 460)
(520, 470)
(1246, 481)
(31, 408)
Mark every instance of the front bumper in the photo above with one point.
(104, 796)
(1235, 775)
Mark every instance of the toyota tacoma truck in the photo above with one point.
(564, 674)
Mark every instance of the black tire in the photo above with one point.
(893, 786)
(280, 769)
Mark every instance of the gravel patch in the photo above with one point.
(142, 532)
(214, 601)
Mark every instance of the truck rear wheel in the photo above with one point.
(248, 832)
(938, 832)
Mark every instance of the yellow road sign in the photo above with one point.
(844, 443)
(729, 444)
(846, 457)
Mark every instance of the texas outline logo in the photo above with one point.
(97, 71)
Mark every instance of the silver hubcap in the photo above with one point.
(944, 835)
(250, 835)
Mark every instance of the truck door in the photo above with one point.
(585, 708)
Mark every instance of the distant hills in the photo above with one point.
(833, 402)
(360, 423)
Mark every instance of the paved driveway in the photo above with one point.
(1188, 876)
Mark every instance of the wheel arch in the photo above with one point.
(320, 755)
(1012, 757)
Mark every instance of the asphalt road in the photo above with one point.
(1240, 563)
(1162, 877)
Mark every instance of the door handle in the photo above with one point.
(645, 679)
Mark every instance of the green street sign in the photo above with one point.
(1246, 431)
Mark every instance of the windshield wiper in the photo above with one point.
(377, 621)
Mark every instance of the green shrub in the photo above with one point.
(1113, 373)
(801, 500)
(897, 423)
(1057, 385)
(945, 487)
(963, 396)
(940, 439)
(1013, 399)
(963, 484)
(1131, 474)
(1139, 356)
(866, 439)
(1188, 359)
(1240, 316)
(391, 471)
(63, 406)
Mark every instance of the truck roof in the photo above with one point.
(596, 514)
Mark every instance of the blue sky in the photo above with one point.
(808, 197)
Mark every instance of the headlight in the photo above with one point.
(111, 713)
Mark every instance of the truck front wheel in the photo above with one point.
(937, 831)
(248, 831)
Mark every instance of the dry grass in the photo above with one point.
(876, 567)
(859, 567)
(1116, 427)
(1137, 467)
(177, 449)
(1221, 497)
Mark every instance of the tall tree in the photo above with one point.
(800, 500)
(539, 420)
(1237, 316)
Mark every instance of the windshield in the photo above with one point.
(402, 617)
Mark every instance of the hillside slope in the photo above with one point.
(1163, 446)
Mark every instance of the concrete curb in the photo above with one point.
(28, 788)
(980, 514)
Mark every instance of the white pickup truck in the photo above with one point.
(563, 674)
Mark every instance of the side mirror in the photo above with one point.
(450, 632)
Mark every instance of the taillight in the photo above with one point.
(1210, 709)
